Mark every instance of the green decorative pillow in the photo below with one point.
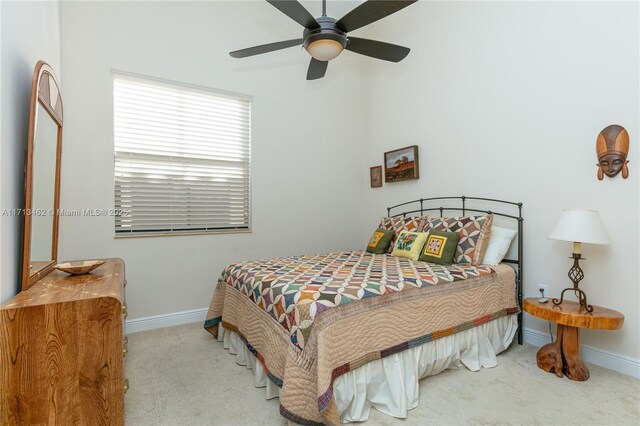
(379, 241)
(440, 247)
(409, 244)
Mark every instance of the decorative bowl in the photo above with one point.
(79, 267)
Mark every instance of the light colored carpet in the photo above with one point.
(182, 376)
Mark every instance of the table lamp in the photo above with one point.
(578, 226)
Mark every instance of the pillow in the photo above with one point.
(473, 233)
(499, 242)
(380, 241)
(440, 247)
(409, 245)
(399, 224)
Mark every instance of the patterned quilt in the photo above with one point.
(298, 317)
(295, 290)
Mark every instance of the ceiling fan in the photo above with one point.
(325, 38)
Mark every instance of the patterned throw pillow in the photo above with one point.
(440, 247)
(399, 224)
(380, 241)
(473, 233)
(409, 244)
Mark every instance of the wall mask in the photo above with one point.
(612, 147)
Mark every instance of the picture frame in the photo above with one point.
(375, 175)
(401, 164)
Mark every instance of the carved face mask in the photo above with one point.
(612, 147)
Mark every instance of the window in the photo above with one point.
(182, 157)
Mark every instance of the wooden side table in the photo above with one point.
(563, 355)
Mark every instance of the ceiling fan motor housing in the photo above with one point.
(327, 31)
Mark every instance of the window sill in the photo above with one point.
(181, 233)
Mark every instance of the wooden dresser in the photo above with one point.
(62, 350)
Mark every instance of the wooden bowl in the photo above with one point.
(79, 267)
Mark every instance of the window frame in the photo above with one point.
(193, 87)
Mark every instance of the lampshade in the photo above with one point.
(581, 226)
(325, 49)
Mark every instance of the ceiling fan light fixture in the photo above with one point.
(325, 49)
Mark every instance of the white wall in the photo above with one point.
(30, 31)
(306, 137)
(505, 100)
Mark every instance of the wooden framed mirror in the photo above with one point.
(42, 176)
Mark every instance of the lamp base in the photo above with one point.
(581, 295)
(576, 275)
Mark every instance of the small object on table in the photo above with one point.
(79, 267)
(543, 300)
(563, 355)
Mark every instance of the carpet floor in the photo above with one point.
(182, 376)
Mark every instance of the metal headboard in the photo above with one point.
(465, 205)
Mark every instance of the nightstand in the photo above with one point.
(563, 355)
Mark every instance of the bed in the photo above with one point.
(335, 334)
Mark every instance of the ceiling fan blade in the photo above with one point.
(297, 12)
(265, 48)
(377, 49)
(316, 69)
(370, 11)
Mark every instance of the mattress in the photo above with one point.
(310, 319)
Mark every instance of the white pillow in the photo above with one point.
(498, 246)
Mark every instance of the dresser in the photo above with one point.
(62, 349)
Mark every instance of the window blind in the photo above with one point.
(182, 158)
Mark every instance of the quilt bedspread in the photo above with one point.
(298, 317)
(294, 290)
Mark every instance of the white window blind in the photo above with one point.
(182, 157)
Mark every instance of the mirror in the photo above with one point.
(42, 180)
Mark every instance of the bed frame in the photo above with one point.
(466, 204)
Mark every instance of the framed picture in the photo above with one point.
(375, 174)
(401, 164)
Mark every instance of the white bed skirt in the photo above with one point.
(391, 384)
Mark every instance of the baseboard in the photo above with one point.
(167, 320)
(620, 363)
(612, 361)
